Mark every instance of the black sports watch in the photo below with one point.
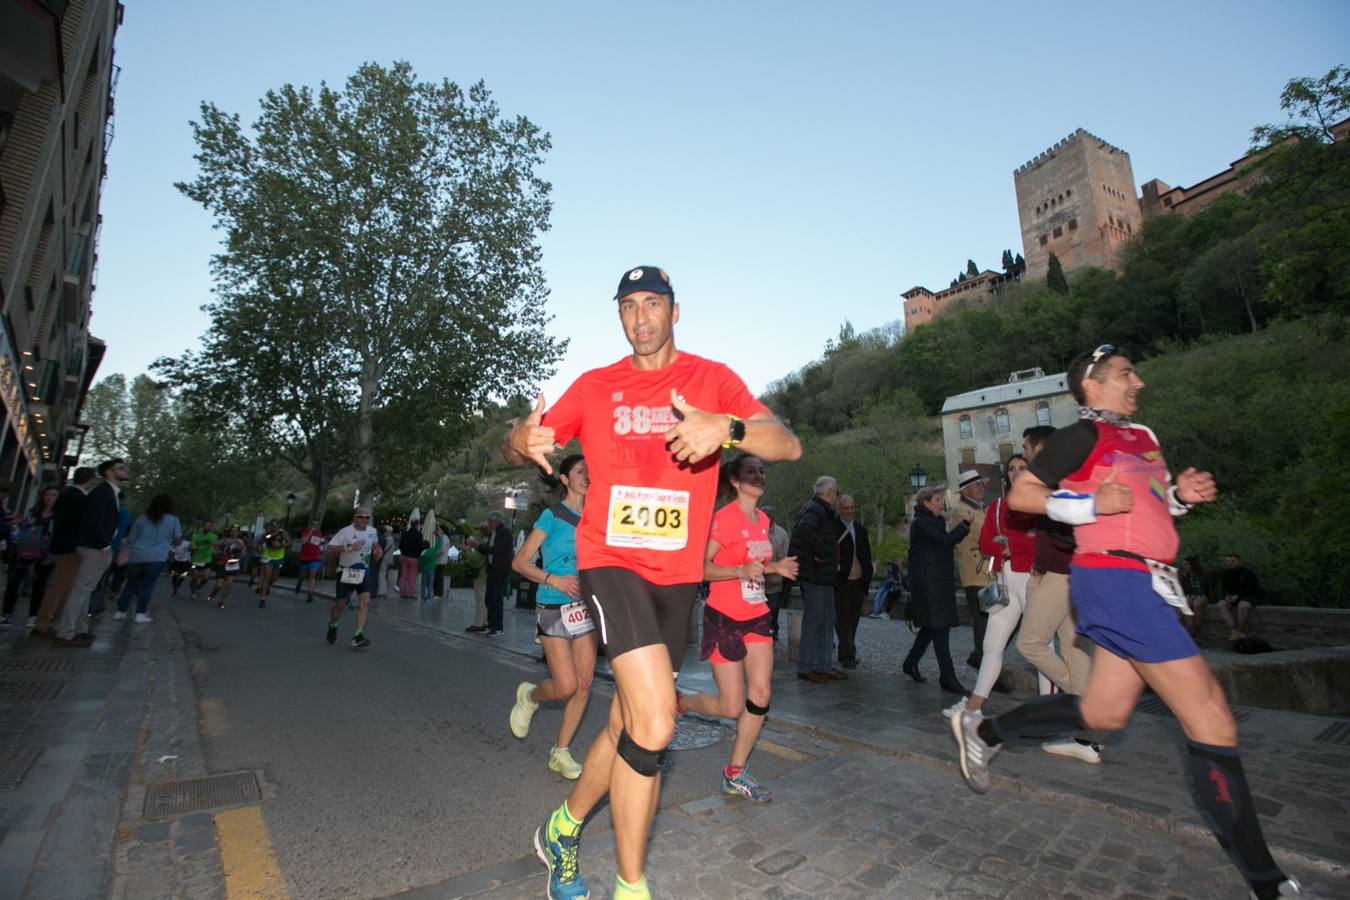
(735, 433)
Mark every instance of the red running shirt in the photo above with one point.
(1080, 457)
(645, 511)
(311, 545)
(741, 541)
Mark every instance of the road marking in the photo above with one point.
(781, 751)
(247, 857)
(214, 721)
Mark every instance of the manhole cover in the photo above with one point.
(176, 798)
(692, 734)
(30, 691)
(1335, 733)
(38, 664)
(14, 765)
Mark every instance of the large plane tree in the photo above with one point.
(380, 274)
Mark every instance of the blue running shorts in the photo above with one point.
(1118, 609)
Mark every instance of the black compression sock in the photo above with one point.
(1055, 712)
(1220, 791)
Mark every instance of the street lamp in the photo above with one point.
(290, 501)
(918, 477)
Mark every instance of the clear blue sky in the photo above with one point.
(791, 165)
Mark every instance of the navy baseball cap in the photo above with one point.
(644, 278)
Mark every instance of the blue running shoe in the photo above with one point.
(745, 786)
(564, 875)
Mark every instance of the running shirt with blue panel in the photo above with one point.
(559, 550)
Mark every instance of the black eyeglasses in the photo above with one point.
(1102, 352)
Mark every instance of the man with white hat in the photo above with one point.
(969, 560)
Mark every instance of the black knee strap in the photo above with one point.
(754, 708)
(641, 760)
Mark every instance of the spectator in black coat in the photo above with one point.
(65, 522)
(853, 579)
(93, 543)
(932, 585)
(499, 549)
(814, 542)
(410, 548)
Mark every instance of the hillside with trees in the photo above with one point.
(1235, 316)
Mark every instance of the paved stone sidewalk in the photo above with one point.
(71, 717)
(865, 825)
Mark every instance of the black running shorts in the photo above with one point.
(631, 612)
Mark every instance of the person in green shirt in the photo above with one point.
(203, 546)
(426, 565)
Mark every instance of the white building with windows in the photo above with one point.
(983, 427)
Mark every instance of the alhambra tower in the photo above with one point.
(1076, 200)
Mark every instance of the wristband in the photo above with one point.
(1175, 505)
(1071, 508)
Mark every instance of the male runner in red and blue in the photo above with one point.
(1106, 476)
(653, 426)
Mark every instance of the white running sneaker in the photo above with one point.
(142, 619)
(560, 760)
(974, 752)
(956, 708)
(119, 616)
(523, 711)
(1088, 753)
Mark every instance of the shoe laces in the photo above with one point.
(568, 867)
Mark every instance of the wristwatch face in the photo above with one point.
(737, 431)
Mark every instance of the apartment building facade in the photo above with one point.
(57, 89)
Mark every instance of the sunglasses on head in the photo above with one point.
(1102, 352)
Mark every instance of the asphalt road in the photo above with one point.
(390, 767)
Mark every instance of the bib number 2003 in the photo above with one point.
(647, 518)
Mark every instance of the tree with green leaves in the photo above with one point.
(201, 466)
(1313, 106)
(971, 269)
(1054, 276)
(380, 278)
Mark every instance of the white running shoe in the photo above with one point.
(560, 760)
(143, 619)
(1088, 753)
(523, 711)
(956, 708)
(119, 616)
(974, 752)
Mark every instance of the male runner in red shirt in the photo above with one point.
(1106, 476)
(652, 427)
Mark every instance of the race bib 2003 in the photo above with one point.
(647, 518)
